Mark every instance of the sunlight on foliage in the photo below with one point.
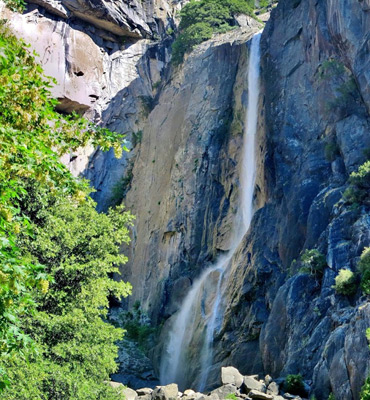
(32, 138)
(345, 282)
(200, 19)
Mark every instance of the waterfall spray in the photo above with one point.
(174, 365)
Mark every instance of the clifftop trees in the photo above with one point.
(200, 19)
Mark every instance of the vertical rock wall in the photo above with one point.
(315, 76)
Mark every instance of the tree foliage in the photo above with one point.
(314, 262)
(33, 136)
(76, 348)
(200, 19)
(345, 282)
(359, 189)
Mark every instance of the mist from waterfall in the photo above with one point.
(176, 366)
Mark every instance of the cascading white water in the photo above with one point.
(176, 365)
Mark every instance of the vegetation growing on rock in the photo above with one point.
(359, 180)
(314, 262)
(294, 384)
(364, 269)
(345, 282)
(200, 19)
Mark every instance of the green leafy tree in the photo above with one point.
(314, 262)
(76, 348)
(33, 136)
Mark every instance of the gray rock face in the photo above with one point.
(231, 375)
(295, 324)
(194, 159)
(135, 19)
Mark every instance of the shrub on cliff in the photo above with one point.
(314, 262)
(345, 282)
(364, 269)
(365, 392)
(200, 19)
(359, 190)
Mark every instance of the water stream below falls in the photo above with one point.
(193, 328)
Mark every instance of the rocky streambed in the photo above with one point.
(234, 386)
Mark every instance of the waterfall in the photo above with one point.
(207, 291)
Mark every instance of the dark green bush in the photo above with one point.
(138, 327)
(354, 195)
(331, 151)
(200, 19)
(365, 392)
(192, 36)
(294, 385)
(345, 282)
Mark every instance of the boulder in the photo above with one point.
(144, 391)
(128, 393)
(256, 394)
(251, 383)
(268, 380)
(273, 388)
(145, 397)
(168, 392)
(231, 375)
(213, 396)
(189, 392)
(223, 391)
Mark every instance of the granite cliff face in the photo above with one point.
(297, 321)
(185, 126)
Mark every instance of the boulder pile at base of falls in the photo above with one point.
(234, 386)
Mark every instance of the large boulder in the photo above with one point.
(168, 392)
(255, 394)
(251, 383)
(223, 391)
(231, 375)
(128, 393)
(273, 388)
(144, 391)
